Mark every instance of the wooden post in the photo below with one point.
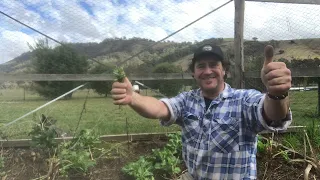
(318, 96)
(238, 44)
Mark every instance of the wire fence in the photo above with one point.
(293, 31)
(99, 35)
(107, 33)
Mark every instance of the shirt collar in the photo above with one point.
(226, 93)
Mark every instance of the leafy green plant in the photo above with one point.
(165, 161)
(264, 147)
(261, 146)
(175, 143)
(168, 159)
(119, 74)
(76, 155)
(285, 155)
(140, 170)
(43, 133)
(77, 160)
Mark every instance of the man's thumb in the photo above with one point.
(268, 54)
(126, 80)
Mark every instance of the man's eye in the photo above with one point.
(201, 66)
(213, 65)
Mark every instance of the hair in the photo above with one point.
(225, 63)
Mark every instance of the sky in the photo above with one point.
(95, 20)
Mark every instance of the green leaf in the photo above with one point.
(119, 74)
(177, 170)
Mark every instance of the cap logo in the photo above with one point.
(207, 48)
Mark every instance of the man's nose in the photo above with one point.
(207, 70)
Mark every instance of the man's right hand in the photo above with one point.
(122, 92)
(149, 107)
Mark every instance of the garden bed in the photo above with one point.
(30, 163)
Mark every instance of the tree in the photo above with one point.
(102, 87)
(168, 87)
(58, 60)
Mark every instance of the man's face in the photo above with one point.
(209, 73)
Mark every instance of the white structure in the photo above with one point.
(136, 88)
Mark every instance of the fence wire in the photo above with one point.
(104, 32)
(109, 32)
(293, 30)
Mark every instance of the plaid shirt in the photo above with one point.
(221, 142)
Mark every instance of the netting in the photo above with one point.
(293, 31)
(96, 36)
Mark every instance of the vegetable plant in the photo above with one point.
(140, 170)
(43, 133)
(119, 74)
(165, 161)
(77, 154)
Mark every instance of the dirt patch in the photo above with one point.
(278, 169)
(30, 164)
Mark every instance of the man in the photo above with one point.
(219, 124)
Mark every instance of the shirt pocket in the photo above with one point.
(225, 135)
(190, 128)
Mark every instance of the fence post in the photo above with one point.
(24, 93)
(238, 44)
(318, 96)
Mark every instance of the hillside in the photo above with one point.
(119, 49)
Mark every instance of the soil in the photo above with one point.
(23, 164)
(278, 169)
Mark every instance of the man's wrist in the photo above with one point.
(133, 99)
(277, 97)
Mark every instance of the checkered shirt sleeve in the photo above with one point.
(253, 114)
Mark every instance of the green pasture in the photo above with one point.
(105, 117)
(99, 114)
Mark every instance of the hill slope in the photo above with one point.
(117, 50)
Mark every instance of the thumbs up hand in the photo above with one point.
(275, 75)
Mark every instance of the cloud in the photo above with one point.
(93, 21)
(13, 43)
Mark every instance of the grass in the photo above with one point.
(106, 118)
(100, 114)
(304, 107)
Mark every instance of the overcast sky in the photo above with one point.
(94, 20)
